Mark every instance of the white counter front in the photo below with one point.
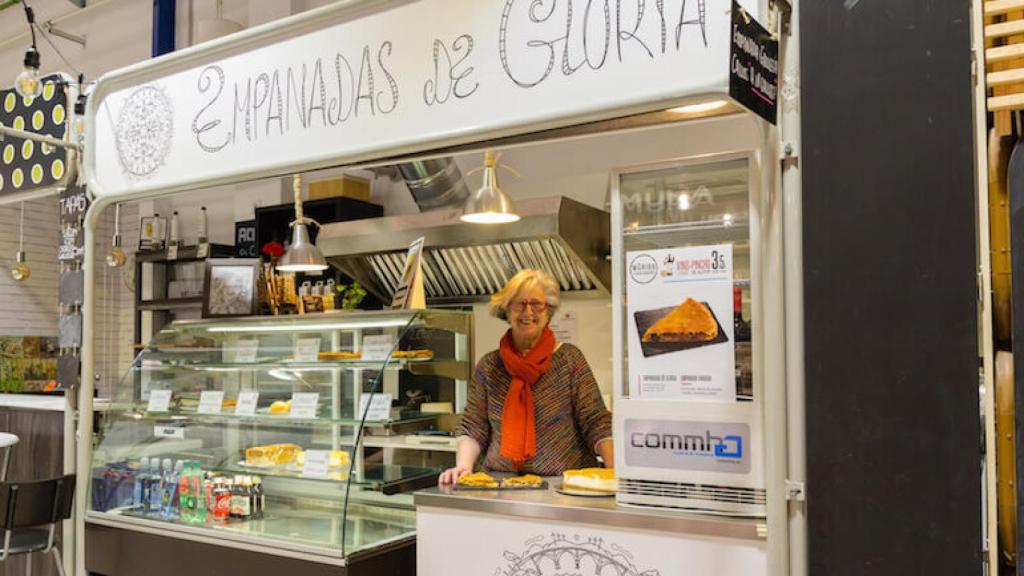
(32, 402)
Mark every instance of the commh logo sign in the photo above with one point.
(686, 445)
(730, 446)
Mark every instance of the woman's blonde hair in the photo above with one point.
(525, 279)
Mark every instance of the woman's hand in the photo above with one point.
(452, 475)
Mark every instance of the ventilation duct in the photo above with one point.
(464, 263)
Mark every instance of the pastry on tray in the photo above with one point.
(597, 480)
(525, 481)
(417, 354)
(271, 454)
(478, 480)
(280, 407)
(340, 355)
(691, 321)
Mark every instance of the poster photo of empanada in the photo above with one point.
(691, 324)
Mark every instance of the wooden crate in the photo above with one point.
(1004, 60)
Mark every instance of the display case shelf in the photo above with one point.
(310, 504)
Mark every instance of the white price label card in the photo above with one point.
(377, 347)
(246, 405)
(304, 404)
(210, 401)
(159, 401)
(203, 250)
(306, 349)
(246, 351)
(169, 432)
(172, 252)
(380, 407)
(317, 463)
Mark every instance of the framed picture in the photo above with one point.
(230, 287)
(152, 231)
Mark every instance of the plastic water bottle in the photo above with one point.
(140, 494)
(156, 487)
(171, 490)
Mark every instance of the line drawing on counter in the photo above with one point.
(144, 131)
(556, 554)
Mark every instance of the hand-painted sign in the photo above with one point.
(337, 91)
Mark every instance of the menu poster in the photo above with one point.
(679, 323)
(409, 294)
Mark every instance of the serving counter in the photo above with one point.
(514, 532)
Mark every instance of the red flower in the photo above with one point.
(273, 249)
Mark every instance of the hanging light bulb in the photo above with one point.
(20, 271)
(489, 204)
(116, 257)
(27, 83)
(302, 255)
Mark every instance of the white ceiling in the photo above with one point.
(12, 20)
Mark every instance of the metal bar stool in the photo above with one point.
(7, 442)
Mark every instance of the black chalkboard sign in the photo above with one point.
(753, 65)
(245, 240)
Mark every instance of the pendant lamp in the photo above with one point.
(20, 271)
(116, 257)
(489, 204)
(302, 255)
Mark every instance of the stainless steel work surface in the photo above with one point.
(550, 505)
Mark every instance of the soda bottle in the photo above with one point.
(185, 507)
(171, 490)
(140, 495)
(221, 500)
(258, 498)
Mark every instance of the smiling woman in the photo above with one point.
(533, 405)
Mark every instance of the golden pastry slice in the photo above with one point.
(600, 480)
(417, 354)
(525, 481)
(478, 480)
(691, 321)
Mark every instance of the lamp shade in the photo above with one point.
(489, 204)
(302, 255)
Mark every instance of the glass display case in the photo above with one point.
(281, 433)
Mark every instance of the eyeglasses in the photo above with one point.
(535, 305)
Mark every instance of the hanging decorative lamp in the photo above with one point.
(302, 254)
(20, 271)
(116, 257)
(489, 204)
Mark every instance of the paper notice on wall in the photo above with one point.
(565, 327)
(679, 323)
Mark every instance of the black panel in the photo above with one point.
(893, 429)
(116, 552)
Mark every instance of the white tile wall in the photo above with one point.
(29, 308)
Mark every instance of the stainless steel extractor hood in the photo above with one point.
(466, 262)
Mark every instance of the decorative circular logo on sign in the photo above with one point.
(37, 173)
(143, 132)
(57, 169)
(561, 555)
(9, 101)
(643, 269)
(27, 148)
(8, 153)
(17, 178)
(37, 120)
(49, 89)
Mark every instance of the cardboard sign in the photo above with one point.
(306, 349)
(377, 347)
(409, 294)
(753, 65)
(667, 358)
(169, 432)
(210, 401)
(317, 463)
(304, 405)
(379, 410)
(159, 401)
(246, 405)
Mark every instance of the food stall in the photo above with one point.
(340, 86)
